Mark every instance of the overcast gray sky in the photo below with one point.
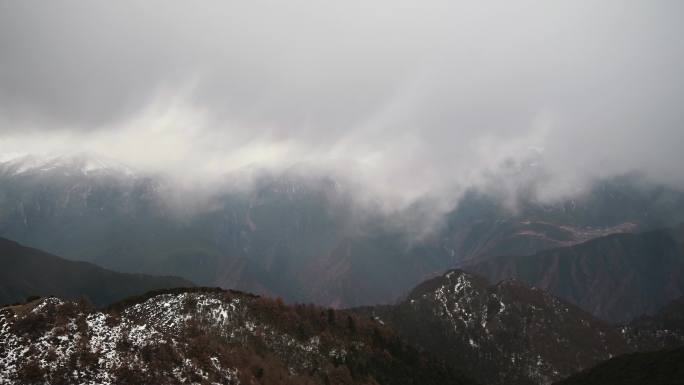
(410, 97)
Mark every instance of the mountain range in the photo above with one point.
(461, 325)
(542, 291)
(296, 234)
(452, 329)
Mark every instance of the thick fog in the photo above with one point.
(406, 98)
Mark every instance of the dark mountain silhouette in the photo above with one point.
(27, 272)
(664, 367)
(663, 330)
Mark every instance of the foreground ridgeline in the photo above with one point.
(205, 336)
(510, 333)
(461, 325)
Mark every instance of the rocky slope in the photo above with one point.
(509, 333)
(205, 336)
(28, 272)
(617, 277)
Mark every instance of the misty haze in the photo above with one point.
(341, 192)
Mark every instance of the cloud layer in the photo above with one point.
(409, 97)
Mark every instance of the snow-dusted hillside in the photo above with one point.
(203, 336)
(508, 333)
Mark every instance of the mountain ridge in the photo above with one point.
(508, 332)
(203, 335)
(29, 272)
(617, 277)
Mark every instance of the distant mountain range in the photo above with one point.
(616, 277)
(295, 234)
(28, 272)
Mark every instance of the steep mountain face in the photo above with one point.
(664, 367)
(27, 272)
(617, 277)
(506, 333)
(300, 236)
(205, 336)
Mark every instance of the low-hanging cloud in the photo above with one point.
(411, 98)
